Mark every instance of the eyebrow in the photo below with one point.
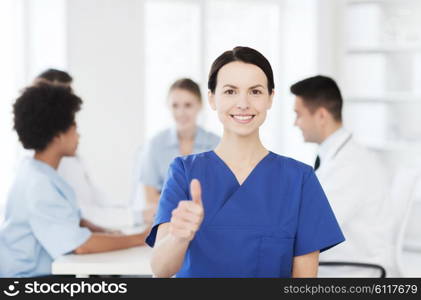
(252, 87)
(230, 85)
(256, 86)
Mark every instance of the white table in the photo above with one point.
(132, 261)
(411, 264)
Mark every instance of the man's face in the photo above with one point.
(307, 121)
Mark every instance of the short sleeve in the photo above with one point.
(55, 221)
(149, 167)
(317, 228)
(174, 190)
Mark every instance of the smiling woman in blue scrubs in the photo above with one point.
(241, 210)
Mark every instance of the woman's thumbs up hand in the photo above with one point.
(188, 216)
(196, 191)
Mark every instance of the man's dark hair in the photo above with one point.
(54, 75)
(243, 54)
(188, 85)
(320, 91)
(43, 112)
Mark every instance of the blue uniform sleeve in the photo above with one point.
(55, 221)
(149, 167)
(175, 189)
(317, 226)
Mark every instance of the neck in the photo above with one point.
(241, 149)
(330, 129)
(187, 134)
(49, 157)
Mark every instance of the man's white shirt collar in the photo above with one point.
(332, 142)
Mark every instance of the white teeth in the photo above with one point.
(243, 118)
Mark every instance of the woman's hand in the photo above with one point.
(188, 216)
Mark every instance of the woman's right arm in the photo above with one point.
(150, 179)
(173, 238)
(168, 253)
(152, 198)
(151, 195)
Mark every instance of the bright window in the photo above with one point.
(183, 37)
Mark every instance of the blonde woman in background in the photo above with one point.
(185, 138)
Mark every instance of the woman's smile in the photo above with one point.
(242, 118)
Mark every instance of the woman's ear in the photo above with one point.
(211, 99)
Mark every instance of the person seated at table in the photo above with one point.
(184, 138)
(42, 220)
(54, 77)
(90, 198)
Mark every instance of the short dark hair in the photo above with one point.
(243, 54)
(54, 75)
(320, 91)
(188, 85)
(42, 112)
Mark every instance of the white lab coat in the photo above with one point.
(92, 201)
(356, 184)
(88, 196)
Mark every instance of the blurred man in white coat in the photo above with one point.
(353, 178)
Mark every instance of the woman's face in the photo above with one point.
(241, 97)
(69, 141)
(185, 107)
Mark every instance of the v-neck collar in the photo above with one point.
(222, 162)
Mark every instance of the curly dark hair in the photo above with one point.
(42, 112)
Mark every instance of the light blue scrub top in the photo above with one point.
(41, 222)
(161, 151)
(254, 229)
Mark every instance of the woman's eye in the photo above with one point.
(256, 92)
(229, 92)
(174, 106)
(187, 105)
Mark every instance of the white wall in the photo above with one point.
(329, 39)
(105, 58)
(299, 47)
(45, 36)
(11, 72)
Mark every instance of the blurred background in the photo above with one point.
(124, 54)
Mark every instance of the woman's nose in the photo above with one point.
(243, 102)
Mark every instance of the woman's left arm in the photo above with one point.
(305, 265)
(95, 228)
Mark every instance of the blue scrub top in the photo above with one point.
(254, 229)
(41, 222)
